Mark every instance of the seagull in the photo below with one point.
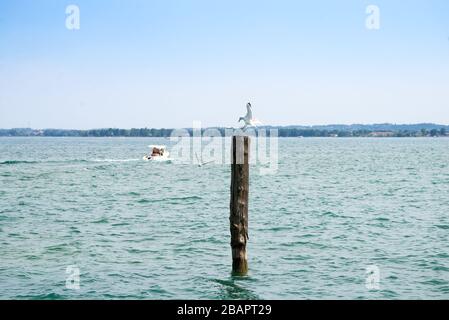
(248, 118)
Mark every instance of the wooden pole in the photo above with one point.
(239, 203)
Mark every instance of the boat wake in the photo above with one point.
(24, 162)
(115, 160)
(159, 160)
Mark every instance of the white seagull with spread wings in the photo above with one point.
(248, 118)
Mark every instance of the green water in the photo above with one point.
(143, 230)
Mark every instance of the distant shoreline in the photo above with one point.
(337, 131)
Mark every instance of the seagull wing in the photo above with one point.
(249, 112)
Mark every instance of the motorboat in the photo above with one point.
(157, 153)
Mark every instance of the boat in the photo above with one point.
(157, 153)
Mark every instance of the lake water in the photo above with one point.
(145, 230)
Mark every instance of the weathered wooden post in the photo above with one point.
(239, 203)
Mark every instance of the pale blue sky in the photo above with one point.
(166, 63)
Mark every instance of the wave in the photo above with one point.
(186, 198)
(11, 162)
(171, 200)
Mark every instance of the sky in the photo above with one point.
(166, 63)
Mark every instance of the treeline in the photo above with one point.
(361, 133)
(426, 130)
(110, 132)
